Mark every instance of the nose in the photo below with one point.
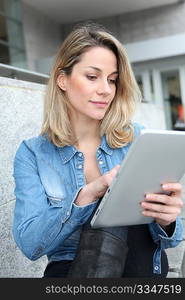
(104, 88)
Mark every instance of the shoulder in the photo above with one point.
(137, 128)
(34, 145)
(38, 142)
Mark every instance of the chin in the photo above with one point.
(98, 116)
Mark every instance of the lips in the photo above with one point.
(100, 104)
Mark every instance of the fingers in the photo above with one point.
(114, 170)
(172, 200)
(108, 177)
(100, 185)
(164, 208)
(161, 208)
(163, 214)
(174, 187)
(161, 218)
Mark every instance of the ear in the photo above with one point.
(61, 81)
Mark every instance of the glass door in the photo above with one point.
(174, 110)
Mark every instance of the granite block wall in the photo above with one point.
(20, 118)
(21, 105)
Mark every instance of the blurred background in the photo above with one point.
(31, 32)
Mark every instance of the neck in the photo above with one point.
(86, 131)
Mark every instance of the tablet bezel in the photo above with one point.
(138, 150)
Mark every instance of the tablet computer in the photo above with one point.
(155, 157)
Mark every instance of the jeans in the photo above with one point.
(120, 232)
(61, 268)
(139, 261)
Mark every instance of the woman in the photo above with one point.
(62, 174)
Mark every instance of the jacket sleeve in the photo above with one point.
(38, 226)
(161, 238)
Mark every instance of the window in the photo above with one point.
(140, 84)
(11, 34)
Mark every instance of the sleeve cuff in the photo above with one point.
(159, 233)
(80, 214)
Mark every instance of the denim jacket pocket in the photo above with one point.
(55, 201)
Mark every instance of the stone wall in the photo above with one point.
(20, 118)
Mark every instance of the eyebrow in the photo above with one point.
(99, 70)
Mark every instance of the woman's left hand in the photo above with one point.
(163, 208)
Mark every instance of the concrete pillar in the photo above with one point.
(147, 92)
(15, 33)
(182, 84)
(158, 91)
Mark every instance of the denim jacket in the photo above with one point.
(47, 181)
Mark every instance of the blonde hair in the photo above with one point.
(116, 124)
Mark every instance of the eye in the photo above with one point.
(112, 81)
(92, 77)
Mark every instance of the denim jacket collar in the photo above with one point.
(105, 147)
(67, 152)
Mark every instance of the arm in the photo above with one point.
(39, 226)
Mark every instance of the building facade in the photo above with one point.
(154, 38)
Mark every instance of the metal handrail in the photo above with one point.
(22, 74)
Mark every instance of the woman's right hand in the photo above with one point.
(97, 188)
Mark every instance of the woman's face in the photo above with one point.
(91, 86)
